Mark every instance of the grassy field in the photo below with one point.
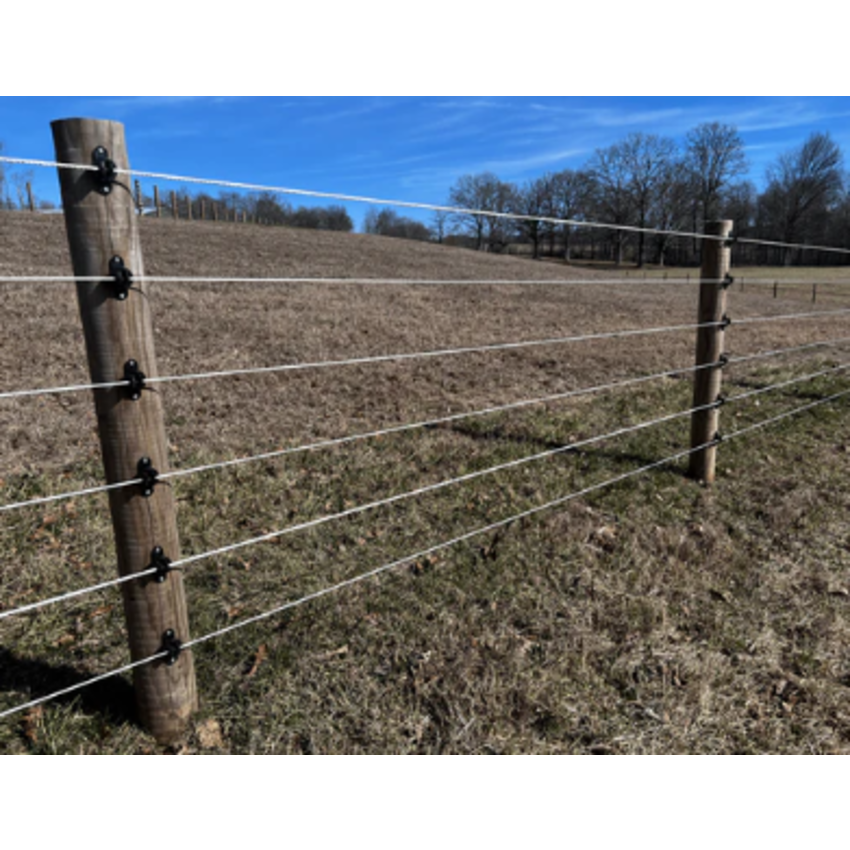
(652, 616)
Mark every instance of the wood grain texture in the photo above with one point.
(100, 227)
(716, 263)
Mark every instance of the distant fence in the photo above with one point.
(92, 163)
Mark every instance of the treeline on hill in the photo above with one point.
(263, 208)
(647, 181)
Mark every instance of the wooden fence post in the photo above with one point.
(188, 207)
(175, 211)
(203, 209)
(716, 264)
(138, 196)
(101, 225)
(30, 198)
(156, 202)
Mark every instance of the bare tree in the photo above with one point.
(485, 192)
(714, 157)
(440, 224)
(612, 198)
(670, 211)
(630, 175)
(650, 160)
(572, 193)
(533, 201)
(804, 185)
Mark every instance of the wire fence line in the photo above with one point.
(428, 423)
(340, 586)
(444, 484)
(418, 205)
(571, 447)
(355, 511)
(388, 567)
(339, 441)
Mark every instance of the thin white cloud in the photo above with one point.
(136, 104)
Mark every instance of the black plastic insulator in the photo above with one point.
(723, 362)
(107, 171)
(122, 278)
(148, 476)
(721, 400)
(725, 322)
(728, 281)
(161, 564)
(718, 438)
(135, 379)
(172, 646)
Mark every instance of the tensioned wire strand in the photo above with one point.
(421, 355)
(366, 281)
(323, 520)
(361, 361)
(417, 205)
(424, 553)
(819, 314)
(338, 441)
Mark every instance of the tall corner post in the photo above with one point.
(102, 225)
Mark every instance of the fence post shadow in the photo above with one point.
(112, 698)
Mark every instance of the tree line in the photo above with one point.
(645, 181)
(650, 182)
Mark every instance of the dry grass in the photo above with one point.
(653, 617)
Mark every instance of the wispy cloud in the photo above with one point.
(127, 105)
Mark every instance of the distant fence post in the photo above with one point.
(175, 212)
(188, 207)
(30, 198)
(716, 264)
(157, 202)
(138, 195)
(102, 226)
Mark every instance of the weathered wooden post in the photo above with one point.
(215, 212)
(157, 202)
(175, 210)
(30, 198)
(203, 209)
(716, 264)
(188, 207)
(104, 242)
(138, 196)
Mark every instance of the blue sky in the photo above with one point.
(406, 148)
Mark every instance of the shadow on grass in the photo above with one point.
(112, 699)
